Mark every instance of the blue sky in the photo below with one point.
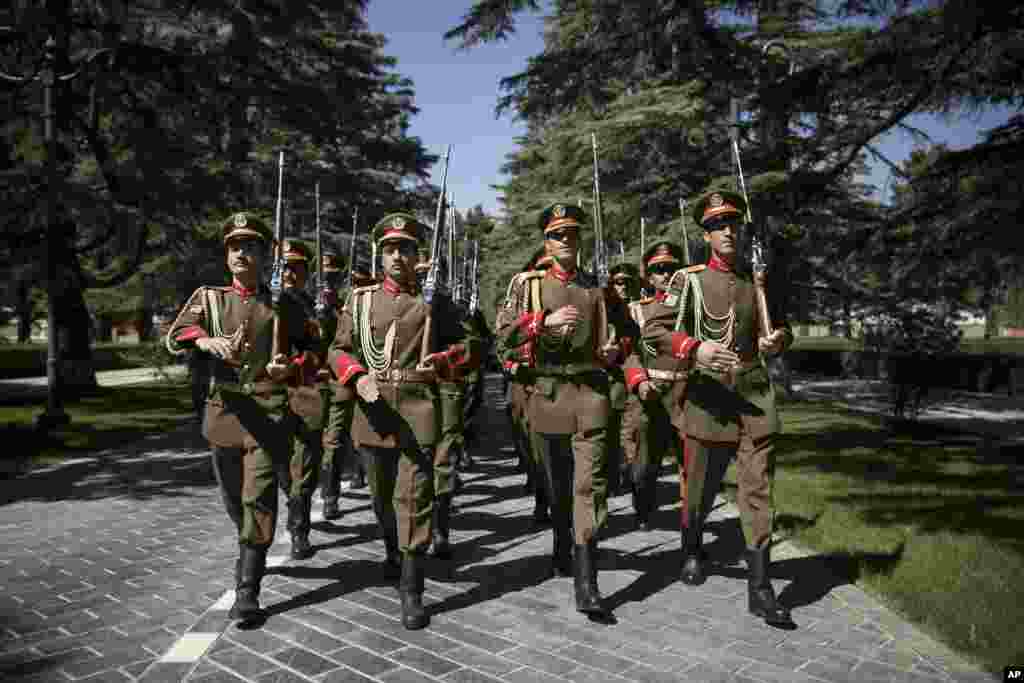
(457, 92)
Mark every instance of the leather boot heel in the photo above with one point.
(761, 600)
(588, 596)
(410, 591)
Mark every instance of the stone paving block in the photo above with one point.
(373, 641)
(111, 676)
(471, 636)
(306, 662)
(281, 676)
(404, 675)
(243, 662)
(640, 672)
(870, 672)
(323, 621)
(424, 661)
(540, 660)
(595, 658)
(484, 661)
(256, 640)
(164, 672)
(110, 658)
(301, 634)
(215, 675)
(469, 676)
(785, 658)
(528, 675)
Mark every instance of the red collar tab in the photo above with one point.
(562, 274)
(242, 291)
(718, 264)
(660, 295)
(394, 288)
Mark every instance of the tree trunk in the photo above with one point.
(78, 374)
(24, 312)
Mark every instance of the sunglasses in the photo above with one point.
(662, 269)
(713, 224)
(559, 235)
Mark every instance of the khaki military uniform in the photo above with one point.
(380, 332)
(338, 451)
(247, 418)
(568, 404)
(726, 414)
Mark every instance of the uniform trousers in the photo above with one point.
(248, 479)
(451, 443)
(655, 439)
(339, 454)
(402, 484)
(707, 462)
(576, 472)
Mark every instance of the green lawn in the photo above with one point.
(1001, 345)
(114, 416)
(932, 524)
(29, 360)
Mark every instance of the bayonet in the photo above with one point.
(686, 239)
(474, 282)
(600, 258)
(279, 343)
(352, 246)
(430, 286)
(318, 282)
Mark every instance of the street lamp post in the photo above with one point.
(54, 415)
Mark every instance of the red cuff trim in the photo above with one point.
(634, 376)
(529, 324)
(459, 356)
(346, 368)
(683, 345)
(627, 346)
(191, 333)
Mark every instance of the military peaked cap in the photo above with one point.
(561, 215)
(716, 204)
(622, 272)
(246, 225)
(330, 262)
(399, 226)
(298, 250)
(663, 252)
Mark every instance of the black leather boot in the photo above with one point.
(561, 552)
(410, 591)
(588, 596)
(251, 565)
(761, 596)
(540, 506)
(692, 573)
(393, 559)
(331, 509)
(441, 548)
(298, 526)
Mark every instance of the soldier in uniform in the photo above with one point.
(337, 444)
(516, 363)
(397, 422)
(474, 393)
(566, 321)
(247, 419)
(308, 399)
(729, 409)
(658, 382)
(449, 447)
(622, 283)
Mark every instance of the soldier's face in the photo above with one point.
(295, 275)
(245, 256)
(398, 259)
(562, 243)
(621, 288)
(660, 273)
(722, 236)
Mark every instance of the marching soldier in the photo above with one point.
(516, 363)
(308, 400)
(473, 395)
(730, 404)
(397, 422)
(448, 447)
(658, 382)
(337, 444)
(566, 321)
(621, 284)
(247, 419)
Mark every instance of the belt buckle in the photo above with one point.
(396, 375)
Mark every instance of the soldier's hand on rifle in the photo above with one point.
(279, 369)
(366, 387)
(564, 320)
(771, 345)
(716, 356)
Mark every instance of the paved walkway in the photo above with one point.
(119, 569)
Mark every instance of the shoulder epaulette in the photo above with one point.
(367, 288)
(219, 288)
(695, 268)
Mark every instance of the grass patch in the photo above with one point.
(943, 516)
(1007, 346)
(29, 360)
(112, 417)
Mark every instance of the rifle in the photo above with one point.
(430, 286)
(686, 238)
(643, 236)
(757, 257)
(474, 281)
(450, 261)
(622, 252)
(279, 343)
(600, 258)
(318, 280)
(352, 246)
